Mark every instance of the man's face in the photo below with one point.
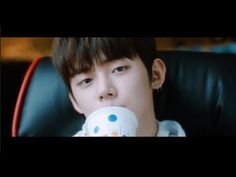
(122, 82)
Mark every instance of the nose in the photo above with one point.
(106, 89)
(108, 93)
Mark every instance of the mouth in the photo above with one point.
(115, 105)
(110, 103)
(119, 106)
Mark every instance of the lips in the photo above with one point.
(112, 105)
(119, 106)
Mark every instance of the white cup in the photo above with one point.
(111, 121)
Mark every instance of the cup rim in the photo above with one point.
(88, 118)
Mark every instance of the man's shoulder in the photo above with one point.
(170, 128)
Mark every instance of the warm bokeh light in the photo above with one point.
(25, 48)
(28, 49)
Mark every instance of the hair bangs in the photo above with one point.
(87, 52)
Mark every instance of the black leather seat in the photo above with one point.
(43, 107)
(199, 92)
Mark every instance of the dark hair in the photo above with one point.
(73, 55)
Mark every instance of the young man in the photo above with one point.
(123, 72)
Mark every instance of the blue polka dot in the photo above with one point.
(112, 118)
(96, 129)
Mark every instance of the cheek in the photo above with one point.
(139, 81)
(137, 91)
(141, 94)
(84, 100)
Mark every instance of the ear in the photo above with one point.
(75, 104)
(158, 73)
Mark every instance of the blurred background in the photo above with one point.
(18, 53)
(28, 49)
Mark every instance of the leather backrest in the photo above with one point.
(46, 109)
(199, 92)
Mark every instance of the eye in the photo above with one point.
(120, 69)
(85, 82)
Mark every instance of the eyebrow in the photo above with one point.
(87, 70)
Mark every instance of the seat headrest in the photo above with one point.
(45, 109)
(199, 93)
